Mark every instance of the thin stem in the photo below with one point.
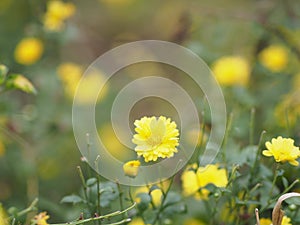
(84, 188)
(257, 217)
(228, 128)
(274, 180)
(30, 208)
(101, 217)
(98, 187)
(251, 126)
(120, 196)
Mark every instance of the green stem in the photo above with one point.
(120, 196)
(98, 187)
(30, 208)
(84, 188)
(251, 126)
(228, 128)
(101, 217)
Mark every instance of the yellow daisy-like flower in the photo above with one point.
(41, 218)
(274, 58)
(231, 70)
(57, 13)
(3, 216)
(194, 180)
(155, 138)
(131, 168)
(29, 51)
(283, 150)
(285, 221)
(137, 221)
(156, 195)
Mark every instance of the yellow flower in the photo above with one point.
(28, 51)
(155, 138)
(193, 181)
(2, 149)
(137, 221)
(22, 83)
(57, 13)
(156, 195)
(71, 73)
(231, 70)
(285, 221)
(131, 168)
(288, 110)
(274, 58)
(3, 216)
(41, 218)
(193, 221)
(283, 150)
(265, 221)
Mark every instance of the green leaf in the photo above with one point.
(108, 192)
(90, 182)
(172, 198)
(144, 201)
(74, 199)
(20, 82)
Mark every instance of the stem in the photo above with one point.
(228, 128)
(120, 196)
(101, 217)
(84, 188)
(30, 208)
(257, 217)
(98, 187)
(274, 180)
(251, 126)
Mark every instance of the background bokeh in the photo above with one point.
(38, 153)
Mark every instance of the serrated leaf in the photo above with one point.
(74, 199)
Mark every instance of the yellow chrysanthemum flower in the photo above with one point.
(231, 70)
(29, 51)
(131, 168)
(283, 150)
(156, 195)
(3, 216)
(41, 218)
(57, 13)
(155, 138)
(286, 221)
(193, 221)
(193, 181)
(274, 58)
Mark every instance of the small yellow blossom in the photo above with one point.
(29, 51)
(137, 221)
(283, 150)
(155, 138)
(22, 83)
(41, 218)
(131, 168)
(156, 195)
(57, 12)
(285, 221)
(231, 70)
(265, 221)
(193, 181)
(274, 58)
(193, 221)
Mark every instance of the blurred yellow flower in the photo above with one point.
(41, 218)
(274, 58)
(155, 138)
(137, 221)
(28, 51)
(156, 195)
(231, 70)
(285, 221)
(71, 73)
(3, 216)
(283, 150)
(288, 110)
(194, 181)
(131, 168)
(265, 221)
(57, 12)
(117, 2)
(22, 83)
(2, 149)
(192, 221)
